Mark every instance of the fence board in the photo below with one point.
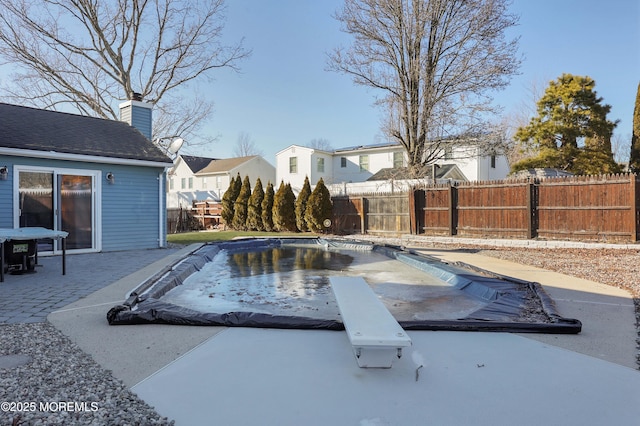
(374, 213)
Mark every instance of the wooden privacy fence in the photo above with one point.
(597, 208)
(583, 208)
(372, 213)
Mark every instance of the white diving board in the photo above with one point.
(376, 337)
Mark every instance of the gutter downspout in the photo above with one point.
(161, 234)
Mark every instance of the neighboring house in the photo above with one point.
(100, 180)
(476, 165)
(397, 180)
(182, 185)
(361, 163)
(296, 162)
(191, 180)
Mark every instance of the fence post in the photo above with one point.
(417, 211)
(531, 210)
(453, 210)
(635, 214)
(363, 217)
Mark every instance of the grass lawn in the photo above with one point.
(207, 236)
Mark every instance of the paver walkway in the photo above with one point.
(31, 297)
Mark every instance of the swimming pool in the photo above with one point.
(284, 283)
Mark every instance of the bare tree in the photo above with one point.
(620, 146)
(89, 56)
(245, 146)
(320, 144)
(436, 63)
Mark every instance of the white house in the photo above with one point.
(201, 178)
(361, 163)
(476, 165)
(296, 162)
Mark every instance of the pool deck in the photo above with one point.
(241, 376)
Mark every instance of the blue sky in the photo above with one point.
(284, 96)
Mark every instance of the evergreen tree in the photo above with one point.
(301, 205)
(254, 208)
(634, 159)
(228, 201)
(284, 205)
(568, 112)
(319, 207)
(240, 208)
(267, 208)
(596, 157)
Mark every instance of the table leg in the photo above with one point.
(64, 258)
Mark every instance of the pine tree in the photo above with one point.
(267, 208)
(228, 201)
(570, 111)
(240, 208)
(284, 204)
(319, 207)
(301, 205)
(634, 159)
(254, 208)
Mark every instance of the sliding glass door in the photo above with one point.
(59, 199)
(76, 210)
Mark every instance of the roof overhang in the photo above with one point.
(53, 155)
(368, 148)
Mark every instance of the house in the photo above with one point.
(182, 186)
(399, 179)
(295, 163)
(364, 163)
(100, 180)
(199, 178)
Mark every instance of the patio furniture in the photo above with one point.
(23, 243)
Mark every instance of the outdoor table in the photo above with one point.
(28, 234)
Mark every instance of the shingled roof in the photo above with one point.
(50, 131)
(197, 163)
(225, 164)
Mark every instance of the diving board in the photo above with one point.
(375, 335)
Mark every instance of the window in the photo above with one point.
(204, 183)
(321, 165)
(183, 183)
(190, 183)
(218, 181)
(493, 161)
(398, 160)
(293, 164)
(171, 183)
(364, 163)
(343, 162)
